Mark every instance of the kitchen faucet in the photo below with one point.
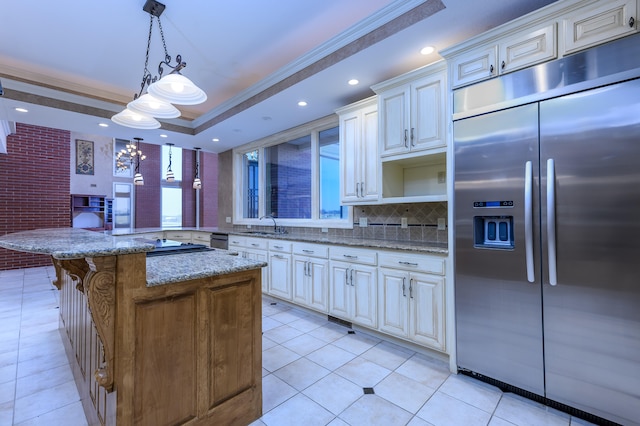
(277, 229)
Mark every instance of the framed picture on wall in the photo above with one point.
(121, 167)
(84, 157)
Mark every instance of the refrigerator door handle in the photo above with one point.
(551, 220)
(528, 220)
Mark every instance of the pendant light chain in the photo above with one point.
(164, 43)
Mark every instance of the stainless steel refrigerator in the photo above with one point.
(547, 231)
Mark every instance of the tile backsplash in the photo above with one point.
(384, 223)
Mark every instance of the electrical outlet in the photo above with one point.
(248, 226)
(442, 224)
(228, 219)
(442, 177)
(404, 222)
(363, 222)
(325, 229)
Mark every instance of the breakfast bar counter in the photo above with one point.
(160, 340)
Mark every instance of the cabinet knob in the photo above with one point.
(632, 22)
(491, 69)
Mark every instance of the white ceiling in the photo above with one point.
(78, 55)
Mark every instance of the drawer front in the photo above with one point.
(418, 262)
(474, 66)
(280, 246)
(528, 48)
(201, 237)
(256, 243)
(178, 235)
(354, 255)
(315, 250)
(235, 240)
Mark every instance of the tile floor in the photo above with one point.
(314, 373)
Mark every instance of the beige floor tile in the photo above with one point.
(299, 410)
(403, 392)
(329, 332)
(42, 402)
(282, 334)
(442, 409)
(473, 392)
(277, 357)
(274, 392)
(28, 385)
(304, 344)
(388, 355)
(331, 357)
(7, 392)
(417, 421)
(68, 415)
(525, 412)
(427, 371)
(334, 392)
(301, 373)
(308, 324)
(363, 372)
(289, 316)
(356, 343)
(371, 410)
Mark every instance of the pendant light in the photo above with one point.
(138, 180)
(162, 91)
(170, 176)
(197, 183)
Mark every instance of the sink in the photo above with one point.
(258, 233)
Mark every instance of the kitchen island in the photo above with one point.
(161, 340)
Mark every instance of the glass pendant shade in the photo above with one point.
(170, 176)
(150, 105)
(197, 183)
(177, 89)
(138, 179)
(134, 120)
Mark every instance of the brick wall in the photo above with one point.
(34, 187)
(209, 191)
(148, 195)
(188, 193)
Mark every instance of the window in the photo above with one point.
(288, 183)
(293, 176)
(171, 192)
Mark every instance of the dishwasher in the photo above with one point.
(219, 240)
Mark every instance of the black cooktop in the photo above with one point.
(166, 247)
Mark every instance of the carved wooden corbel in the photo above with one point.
(99, 287)
(76, 268)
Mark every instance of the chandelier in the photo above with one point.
(162, 92)
(127, 157)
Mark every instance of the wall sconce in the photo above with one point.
(197, 183)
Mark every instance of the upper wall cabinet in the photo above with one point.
(514, 52)
(411, 111)
(359, 152)
(599, 22)
(558, 29)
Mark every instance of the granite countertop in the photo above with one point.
(75, 243)
(189, 266)
(412, 246)
(72, 243)
(134, 231)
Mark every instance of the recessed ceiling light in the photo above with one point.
(353, 82)
(427, 50)
(103, 125)
(163, 136)
(20, 109)
(215, 140)
(302, 103)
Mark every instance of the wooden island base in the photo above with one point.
(186, 353)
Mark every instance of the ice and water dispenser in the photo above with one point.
(493, 231)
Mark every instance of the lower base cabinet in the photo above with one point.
(412, 306)
(353, 293)
(310, 282)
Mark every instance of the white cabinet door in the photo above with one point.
(280, 275)
(599, 23)
(427, 113)
(340, 290)
(349, 157)
(318, 284)
(394, 120)
(300, 280)
(474, 66)
(393, 301)
(359, 153)
(364, 293)
(527, 48)
(426, 310)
